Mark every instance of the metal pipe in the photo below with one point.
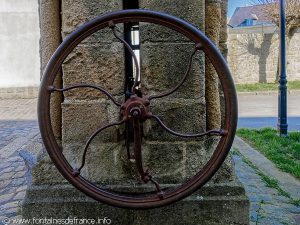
(282, 97)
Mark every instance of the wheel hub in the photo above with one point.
(136, 107)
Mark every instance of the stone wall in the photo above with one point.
(253, 55)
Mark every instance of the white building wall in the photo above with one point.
(19, 43)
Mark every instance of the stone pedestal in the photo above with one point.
(212, 205)
(100, 60)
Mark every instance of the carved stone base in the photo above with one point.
(211, 205)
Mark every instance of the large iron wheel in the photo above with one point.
(136, 110)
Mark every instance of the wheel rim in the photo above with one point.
(214, 163)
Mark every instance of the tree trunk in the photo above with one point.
(290, 35)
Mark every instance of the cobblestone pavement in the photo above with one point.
(268, 206)
(18, 126)
(19, 129)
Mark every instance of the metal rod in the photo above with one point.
(282, 97)
(104, 91)
(91, 138)
(211, 132)
(184, 78)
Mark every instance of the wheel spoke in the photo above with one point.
(160, 193)
(145, 174)
(211, 132)
(128, 47)
(77, 171)
(51, 88)
(138, 148)
(188, 70)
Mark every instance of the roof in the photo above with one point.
(249, 12)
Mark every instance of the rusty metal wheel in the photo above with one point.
(136, 110)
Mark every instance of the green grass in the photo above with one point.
(284, 152)
(293, 85)
(295, 202)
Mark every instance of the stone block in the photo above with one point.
(78, 12)
(211, 205)
(46, 173)
(154, 33)
(164, 66)
(99, 64)
(190, 10)
(185, 116)
(197, 154)
(165, 161)
(81, 119)
(176, 162)
(225, 173)
(106, 163)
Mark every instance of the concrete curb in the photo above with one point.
(19, 93)
(287, 182)
(291, 92)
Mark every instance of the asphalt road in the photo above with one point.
(258, 111)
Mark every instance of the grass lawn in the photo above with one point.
(293, 85)
(284, 152)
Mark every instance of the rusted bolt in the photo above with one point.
(161, 195)
(147, 103)
(51, 88)
(76, 173)
(199, 46)
(111, 24)
(223, 133)
(135, 112)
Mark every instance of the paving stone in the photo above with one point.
(18, 126)
(7, 176)
(9, 213)
(22, 188)
(5, 164)
(20, 196)
(4, 183)
(15, 159)
(286, 181)
(20, 168)
(7, 170)
(9, 205)
(19, 174)
(267, 206)
(18, 182)
(6, 197)
(10, 190)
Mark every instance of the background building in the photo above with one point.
(19, 48)
(253, 47)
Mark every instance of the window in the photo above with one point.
(247, 23)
